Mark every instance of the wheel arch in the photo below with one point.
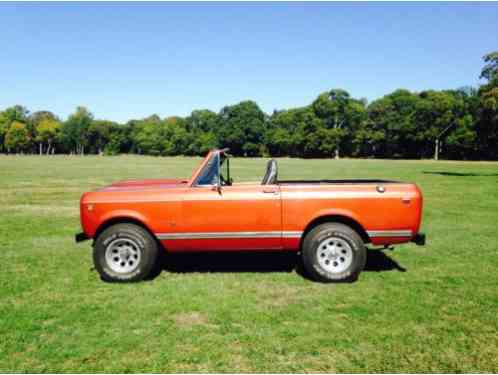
(122, 220)
(337, 218)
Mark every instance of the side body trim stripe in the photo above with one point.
(222, 235)
(389, 233)
(267, 234)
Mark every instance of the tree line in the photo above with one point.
(454, 124)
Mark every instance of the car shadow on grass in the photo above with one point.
(377, 261)
(461, 174)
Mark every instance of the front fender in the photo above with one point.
(96, 217)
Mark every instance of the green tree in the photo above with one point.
(16, 113)
(74, 132)
(203, 120)
(7, 117)
(241, 128)
(342, 116)
(99, 135)
(284, 135)
(175, 137)
(490, 70)
(47, 131)
(201, 127)
(437, 114)
(487, 127)
(154, 136)
(33, 122)
(4, 126)
(204, 141)
(391, 125)
(147, 137)
(279, 141)
(36, 117)
(17, 137)
(462, 142)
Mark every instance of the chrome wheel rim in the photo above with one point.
(123, 255)
(334, 255)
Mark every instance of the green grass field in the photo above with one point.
(226, 314)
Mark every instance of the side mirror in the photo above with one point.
(217, 187)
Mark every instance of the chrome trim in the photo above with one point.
(292, 234)
(389, 233)
(225, 235)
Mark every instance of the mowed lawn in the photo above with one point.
(417, 309)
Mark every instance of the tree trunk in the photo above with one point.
(436, 150)
(337, 153)
(41, 148)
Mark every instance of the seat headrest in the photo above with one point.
(271, 174)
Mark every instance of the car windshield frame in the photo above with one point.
(211, 174)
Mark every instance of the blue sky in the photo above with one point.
(130, 60)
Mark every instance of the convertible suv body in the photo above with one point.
(329, 221)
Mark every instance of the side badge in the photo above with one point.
(406, 200)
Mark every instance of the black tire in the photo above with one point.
(347, 240)
(139, 253)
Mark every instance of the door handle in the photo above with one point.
(270, 191)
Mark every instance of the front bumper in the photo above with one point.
(79, 237)
(419, 239)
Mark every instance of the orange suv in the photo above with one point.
(328, 221)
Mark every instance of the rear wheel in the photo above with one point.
(333, 252)
(125, 253)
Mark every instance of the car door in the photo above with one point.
(237, 217)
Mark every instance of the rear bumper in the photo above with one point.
(419, 239)
(79, 237)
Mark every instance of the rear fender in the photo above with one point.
(337, 212)
(328, 215)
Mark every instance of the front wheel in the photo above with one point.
(333, 252)
(125, 253)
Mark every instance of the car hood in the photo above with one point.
(145, 184)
